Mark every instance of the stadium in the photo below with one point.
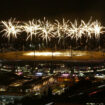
(41, 40)
(67, 56)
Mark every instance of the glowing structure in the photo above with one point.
(48, 55)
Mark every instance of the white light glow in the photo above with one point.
(49, 53)
(47, 30)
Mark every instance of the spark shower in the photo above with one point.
(46, 30)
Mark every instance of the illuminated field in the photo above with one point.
(68, 55)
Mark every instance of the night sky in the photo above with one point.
(70, 9)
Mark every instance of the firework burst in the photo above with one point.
(47, 30)
(10, 28)
(32, 29)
